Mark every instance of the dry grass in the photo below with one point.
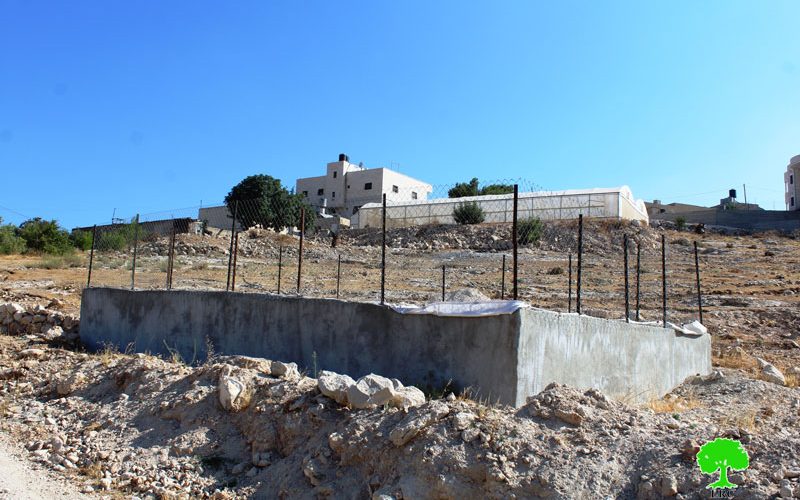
(673, 404)
(792, 380)
(745, 420)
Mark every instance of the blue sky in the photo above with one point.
(147, 106)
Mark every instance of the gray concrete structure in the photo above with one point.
(504, 358)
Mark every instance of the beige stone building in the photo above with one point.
(792, 194)
(346, 187)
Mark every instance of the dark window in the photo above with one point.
(334, 174)
(333, 194)
(367, 186)
(413, 195)
(791, 179)
(395, 189)
(320, 192)
(355, 210)
(792, 200)
(305, 193)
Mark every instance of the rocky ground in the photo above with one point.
(131, 425)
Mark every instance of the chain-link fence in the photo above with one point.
(415, 244)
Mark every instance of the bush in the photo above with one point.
(119, 237)
(60, 261)
(262, 200)
(10, 242)
(468, 213)
(530, 231)
(82, 240)
(45, 236)
(681, 223)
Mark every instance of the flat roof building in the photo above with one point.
(790, 183)
(346, 187)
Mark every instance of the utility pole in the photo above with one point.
(744, 188)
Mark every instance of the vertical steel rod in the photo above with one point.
(503, 280)
(135, 245)
(627, 299)
(235, 254)
(280, 265)
(230, 251)
(338, 275)
(664, 279)
(91, 256)
(515, 290)
(638, 275)
(300, 253)
(171, 257)
(443, 281)
(569, 285)
(383, 252)
(580, 264)
(697, 273)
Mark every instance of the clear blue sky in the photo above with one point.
(150, 105)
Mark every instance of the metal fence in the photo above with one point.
(612, 268)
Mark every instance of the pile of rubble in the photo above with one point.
(47, 324)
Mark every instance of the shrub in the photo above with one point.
(10, 242)
(468, 213)
(119, 237)
(45, 236)
(529, 231)
(82, 240)
(681, 223)
(60, 261)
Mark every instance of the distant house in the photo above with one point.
(790, 183)
(346, 187)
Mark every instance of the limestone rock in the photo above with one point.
(770, 373)
(234, 394)
(67, 385)
(462, 420)
(370, 391)
(285, 370)
(52, 332)
(334, 386)
(407, 397)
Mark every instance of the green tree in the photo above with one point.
(497, 189)
(530, 231)
(45, 236)
(463, 189)
(720, 455)
(10, 242)
(82, 240)
(468, 213)
(263, 200)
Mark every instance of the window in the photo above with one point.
(334, 174)
(320, 192)
(395, 189)
(792, 200)
(791, 179)
(355, 209)
(367, 186)
(333, 194)
(305, 193)
(413, 195)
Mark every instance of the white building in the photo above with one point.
(346, 187)
(604, 203)
(790, 182)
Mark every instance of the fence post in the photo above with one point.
(280, 265)
(503, 280)
(383, 252)
(235, 254)
(569, 285)
(664, 279)
(443, 281)
(135, 246)
(515, 263)
(300, 253)
(697, 273)
(580, 264)
(638, 275)
(171, 257)
(230, 252)
(338, 275)
(627, 300)
(91, 256)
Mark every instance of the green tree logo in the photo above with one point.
(720, 455)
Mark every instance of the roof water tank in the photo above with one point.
(732, 193)
(343, 157)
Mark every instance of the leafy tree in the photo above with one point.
(468, 213)
(45, 236)
(720, 455)
(262, 200)
(463, 189)
(82, 240)
(530, 231)
(680, 222)
(497, 189)
(10, 242)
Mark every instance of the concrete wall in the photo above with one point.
(754, 220)
(506, 357)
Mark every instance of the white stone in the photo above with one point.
(407, 397)
(696, 327)
(370, 391)
(68, 385)
(52, 332)
(462, 420)
(770, 373)
(286, 370)
(334, 385)
(234, 394)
